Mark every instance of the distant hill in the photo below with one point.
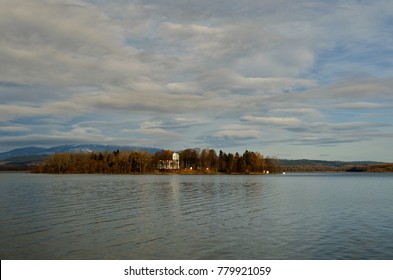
(29, 154)
(307, 165)
(327, 163)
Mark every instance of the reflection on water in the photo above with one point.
(301, 216)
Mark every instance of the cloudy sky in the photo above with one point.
(287, 78)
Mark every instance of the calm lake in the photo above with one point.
(292, 216)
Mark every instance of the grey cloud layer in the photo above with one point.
(212, 73)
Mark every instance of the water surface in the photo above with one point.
(293, 216)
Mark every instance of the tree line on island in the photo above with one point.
(191, 161)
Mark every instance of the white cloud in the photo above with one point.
(272, 120)
(14, 129)
(188, 31)
(364, 105)
(308, 113)
(183, 87)
(10, 112)
(156, 131)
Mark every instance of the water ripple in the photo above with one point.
(196, 217)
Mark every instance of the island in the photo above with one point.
(105, 159)
(188, 161)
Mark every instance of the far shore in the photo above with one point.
(388, 169)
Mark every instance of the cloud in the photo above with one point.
(62, 44)
(51, 140)
(235, 74)
(9, 112)
(183, 88)
(14, 129)
(272, 120)
(188, 31)
(335, 129)
(238, 134)
(309, 113)
(319, 140)
(362, 88)
(364, 106)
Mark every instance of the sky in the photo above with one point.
(287, 78)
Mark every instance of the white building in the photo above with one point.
(170, 164)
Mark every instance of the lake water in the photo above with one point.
(293, 216)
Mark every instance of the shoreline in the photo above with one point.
(185, 173)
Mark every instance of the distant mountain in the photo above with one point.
(82, 148)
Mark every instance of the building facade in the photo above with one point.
(170, 164)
